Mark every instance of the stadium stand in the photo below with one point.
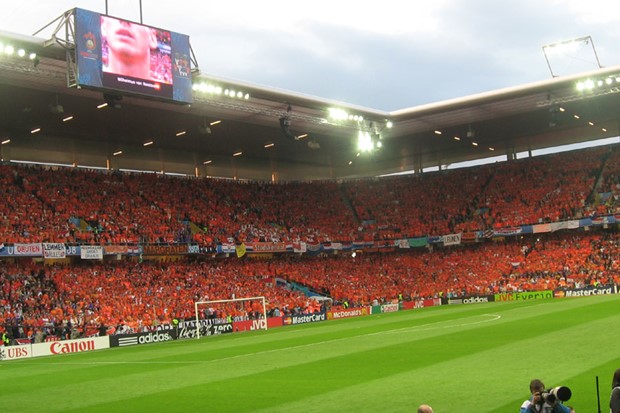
(73, 206)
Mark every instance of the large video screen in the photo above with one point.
(119, 55)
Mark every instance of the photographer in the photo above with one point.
(540, 402)
(614, 401)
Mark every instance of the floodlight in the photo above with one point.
(364, 142)
(570, 53)
(337, 114)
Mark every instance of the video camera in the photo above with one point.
(550, 396)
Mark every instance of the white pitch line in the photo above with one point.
(434, 326)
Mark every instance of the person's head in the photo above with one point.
(129, 46)
(616, 380)
(536, 386)
(425, 408)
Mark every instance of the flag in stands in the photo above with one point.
(240, 249)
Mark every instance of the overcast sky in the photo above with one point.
(387, 55)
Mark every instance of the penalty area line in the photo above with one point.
(439, 325)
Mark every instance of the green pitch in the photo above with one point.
(467, 358)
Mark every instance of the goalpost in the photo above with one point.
(232, 300)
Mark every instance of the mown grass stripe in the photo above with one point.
(388, 363)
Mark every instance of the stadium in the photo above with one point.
(173, 240)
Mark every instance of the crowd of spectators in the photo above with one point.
(142, 295)
(544, 189)
(607, 197)
(92, 207)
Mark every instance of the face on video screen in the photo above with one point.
(134, 50)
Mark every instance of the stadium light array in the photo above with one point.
(590, 84)
(10, 50)
(217, 90)
(341, 115)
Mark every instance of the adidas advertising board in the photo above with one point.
(123, 340)
(468, 300)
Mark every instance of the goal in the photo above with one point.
(235, 302)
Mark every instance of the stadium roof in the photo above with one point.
(498, 123)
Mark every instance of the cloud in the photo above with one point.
(386, 55)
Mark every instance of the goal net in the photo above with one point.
(237, 309)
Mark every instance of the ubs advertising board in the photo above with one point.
(54, 348)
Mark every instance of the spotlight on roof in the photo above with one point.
(204, 129)
(314, 145)
(113, 101)
(553, 116)
(285, 123)
(57, 109)
(470, 133)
